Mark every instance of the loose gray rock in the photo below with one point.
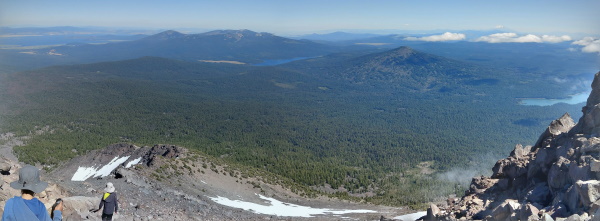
(589, 191)
(5, 167)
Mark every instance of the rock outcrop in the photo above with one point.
(558, 178)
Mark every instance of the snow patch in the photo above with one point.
(278, 208)
(133, 162)
(83, 173)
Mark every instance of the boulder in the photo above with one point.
(591, 146)
(520, 152)
(515, 170)
(589, 191)
(595, 207)
(520, 183)
(478, 202)
(503, 184)
(432, 212)
(546, 217)
(557, 127)
(588, 123)
(578, 173)
(498, 169)
(571, 199)
(5, 167)
(540, 194)
(166, 151)
(591, 120)
(506, 210)
(594, 97)
(595, 165)
(78, 208)
(558, 210)
(529, 212)
(559, 173)
(561, 125)
(543, 159)
(481, 184)
(535, 172)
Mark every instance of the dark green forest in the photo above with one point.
(310, 121)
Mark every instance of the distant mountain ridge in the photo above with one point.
(243, 46)
(227, 34)
(165, 35)
(336, 36)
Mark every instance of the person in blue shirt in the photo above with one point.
(27, 207)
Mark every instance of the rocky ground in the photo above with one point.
(168, 183)
(558, 178)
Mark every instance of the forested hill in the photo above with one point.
(408, 69)
(317, 131)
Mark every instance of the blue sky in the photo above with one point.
(308, 16)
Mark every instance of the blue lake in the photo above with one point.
(573, 99)
(274, 62)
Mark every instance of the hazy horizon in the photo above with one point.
(306, 17)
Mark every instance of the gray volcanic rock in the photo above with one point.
(589, 123)
(5, 167)
(557, 127)
(557, 178)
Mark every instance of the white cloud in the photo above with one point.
(499, 26)
(560, 80)
(590, 44)
(513, 37)
(448, 36)
(555, 39)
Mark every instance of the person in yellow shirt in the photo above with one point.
(109, 201)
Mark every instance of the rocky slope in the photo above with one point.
(166, 182)
(558, 178)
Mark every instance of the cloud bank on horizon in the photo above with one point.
(514, 38)
(590, 44)
(448, 36)
(495, 38)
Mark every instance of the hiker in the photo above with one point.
(27, 207)
(109, 202)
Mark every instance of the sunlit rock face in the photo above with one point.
(558, 177)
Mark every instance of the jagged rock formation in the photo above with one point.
(556, 179)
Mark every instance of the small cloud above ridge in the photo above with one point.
(510, 37)
(448, 36)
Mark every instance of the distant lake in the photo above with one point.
(280, 61)
(573, 99)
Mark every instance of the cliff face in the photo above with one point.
(557, 177)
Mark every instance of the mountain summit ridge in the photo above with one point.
(558, 177)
